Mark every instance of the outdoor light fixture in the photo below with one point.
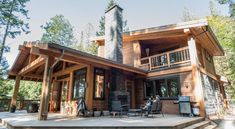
(147, 51)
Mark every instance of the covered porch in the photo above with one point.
(67, 75)
(23, 120)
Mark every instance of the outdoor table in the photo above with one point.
(136, 112)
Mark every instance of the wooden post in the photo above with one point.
(137, 53)
(197, 81)
(70, 89)
(90, 87)
(46, 88)
(16, 90)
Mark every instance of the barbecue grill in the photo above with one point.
(185, 106)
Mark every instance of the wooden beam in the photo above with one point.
(89, 87)
(70, 87)
(46, 87)
(196, 75)
(54, 53)
(36, 63)
(137, 53)
(170, 71)
(15, 92)
(68, 70)
(81, 58)
(36, 76)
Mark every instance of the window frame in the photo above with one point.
(73, 98)
(94, 85)
(165, 78)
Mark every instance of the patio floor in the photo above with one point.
(23, 120)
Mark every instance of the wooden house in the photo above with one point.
(170, 61)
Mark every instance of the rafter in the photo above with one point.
(34, 64)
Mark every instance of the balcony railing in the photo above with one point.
(166, 59)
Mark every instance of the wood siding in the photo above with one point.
(128, 53)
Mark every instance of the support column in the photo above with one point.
(197, 81)
(70, 89)
(15, 93)
(137, 53)
(89, 87)
(46, 88)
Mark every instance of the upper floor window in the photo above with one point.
(209, 58)
(79, 83)
(99, 83)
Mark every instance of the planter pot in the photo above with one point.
(106, 113)
(196, 111)
(88, 113)
(97, 113)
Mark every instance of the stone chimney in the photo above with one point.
(113, 34)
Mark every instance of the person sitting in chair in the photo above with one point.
(148, 105)
(157, 98)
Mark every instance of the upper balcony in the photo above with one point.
(167, 59)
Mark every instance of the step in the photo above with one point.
(199, 125)
(210, 127)
(2, 126)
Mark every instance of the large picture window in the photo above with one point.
(99, 83)
(165, 87)
(79, 84)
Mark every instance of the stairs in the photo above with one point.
(2, 126)
(206, 124)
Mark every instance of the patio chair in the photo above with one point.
(153, 107)
(158, 109)
(117, 108)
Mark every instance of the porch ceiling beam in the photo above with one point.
(36, 76)
(155, 35)
(34, 64)
(68, 70)
(85, 59)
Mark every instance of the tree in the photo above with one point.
(30, 90)
(187, 15)
(58, 30)
(101, 31)
(10, 20)
(231, 4)
(224, 29)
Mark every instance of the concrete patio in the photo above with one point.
(24, 120)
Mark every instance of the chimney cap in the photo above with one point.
(113, 7)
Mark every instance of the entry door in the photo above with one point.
(56, 96)
(130, 88)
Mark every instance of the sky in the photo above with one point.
(138, 13)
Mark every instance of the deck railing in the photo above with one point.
(166, 59)
(20, 104)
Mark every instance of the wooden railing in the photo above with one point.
(166, 59)
(20, 104)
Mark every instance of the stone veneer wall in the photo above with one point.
(113, 34)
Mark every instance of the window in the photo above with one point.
(79, 84)
(165, 87)
(99, 83)
(64, 91)
(209, 58)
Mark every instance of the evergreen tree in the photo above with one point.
(58, 30)
(231, 4)
(10, 20)
(101, 31)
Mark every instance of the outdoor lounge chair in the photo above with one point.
(117, 107)
(156, 108)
